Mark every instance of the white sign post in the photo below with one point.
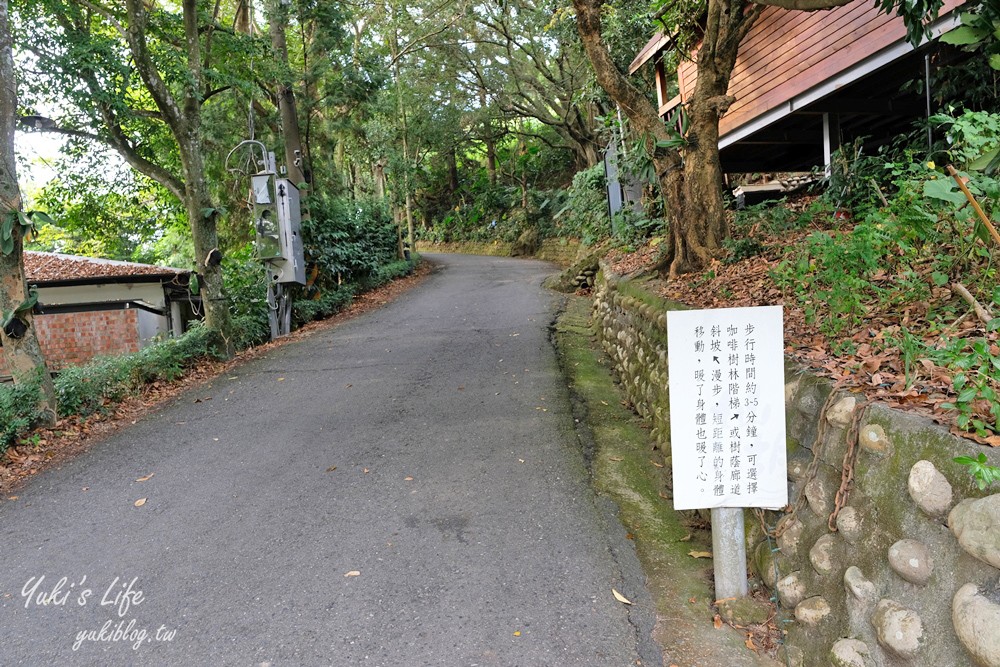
(727, 423)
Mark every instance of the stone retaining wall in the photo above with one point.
(906, 572)
(561, 251)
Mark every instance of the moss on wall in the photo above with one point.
(833, 578)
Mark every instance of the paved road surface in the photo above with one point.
(457, 528)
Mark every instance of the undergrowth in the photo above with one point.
(93, 387)
(887, 255)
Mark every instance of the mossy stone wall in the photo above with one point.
(561, 251)
(903, 569)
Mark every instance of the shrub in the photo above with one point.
(18, 411)
(89, 388)
(585, 214)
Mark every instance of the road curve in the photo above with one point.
(401, 490)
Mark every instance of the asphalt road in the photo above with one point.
(404, 489)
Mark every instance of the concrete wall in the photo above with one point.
(906, 571)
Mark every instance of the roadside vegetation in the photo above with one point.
(440, 123)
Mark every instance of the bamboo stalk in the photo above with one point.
(975, 204)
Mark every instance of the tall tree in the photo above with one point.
(182, 115)
(690, 182)
(688, 167)
(147, 105)
(20, 344)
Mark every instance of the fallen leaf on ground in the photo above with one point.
(615, 458)
(281, 379)
(658, 465)
(517, 633)
(749, 643)
(692, 600)
(367, 471)
(621, 598)
(140, 502)
(717, 621)
(331, 468)
(686, 538)
(146, 478)
(12, 497)
(407, 479)
(353, 573)
(700, 554)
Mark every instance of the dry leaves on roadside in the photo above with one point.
(700, 554)
(140, 502)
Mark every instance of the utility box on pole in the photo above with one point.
(290, 268)
(267, 241)
(278, 227)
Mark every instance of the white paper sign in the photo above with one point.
(727, 407)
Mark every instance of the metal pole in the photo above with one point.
(729, 553)
(927, 94)
(272, 309)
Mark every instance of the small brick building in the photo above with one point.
(89, 307)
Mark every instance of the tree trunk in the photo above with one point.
(241, 22)
(452, 158)
(690, 185)
(294, 157)
(23, 355)
(489, 140)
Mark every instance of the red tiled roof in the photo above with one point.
(43, 267)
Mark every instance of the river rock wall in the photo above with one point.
(903, 569)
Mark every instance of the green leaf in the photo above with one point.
(939, 278)
(943, 190)
(981, 232)
(42, 217)
(984, 160)
(993, 324)
(193, 284)
(28, 303)
(963, 36)
(208, 212)
(968, 395)
(994, 61)
(6, 245)
(7, 227)
(24, 219)
(960, 380)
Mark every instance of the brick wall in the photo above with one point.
(75, 338)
